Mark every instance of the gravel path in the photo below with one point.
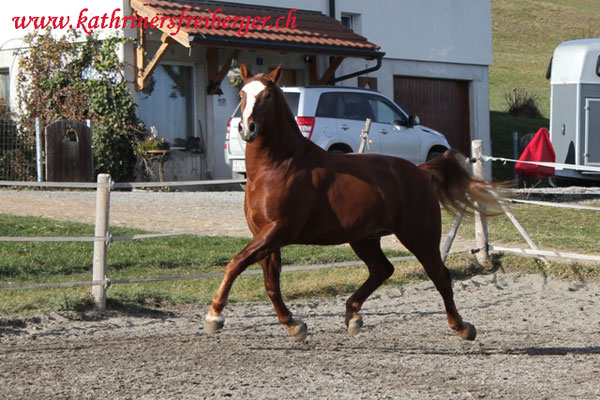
(538, 339)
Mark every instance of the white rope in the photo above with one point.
(132, 185)
(72, 185)
(548, 253)
(558, 166)
(558, 205)
(53, 239)
(121, 185)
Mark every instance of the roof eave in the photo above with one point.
(201, 40)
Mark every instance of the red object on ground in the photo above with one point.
(539, 149)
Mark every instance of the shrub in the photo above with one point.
(80, 77)
(521, 103)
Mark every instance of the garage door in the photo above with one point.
(441, 104)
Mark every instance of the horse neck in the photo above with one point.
(279, 142)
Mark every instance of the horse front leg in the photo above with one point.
(271, 266)
(261, 246)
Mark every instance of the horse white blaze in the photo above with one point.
(252, 90)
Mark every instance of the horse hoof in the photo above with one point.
(354, 325)
(298, 330)
(212, 324)
(468, 333)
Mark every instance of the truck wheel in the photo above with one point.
(433, 154)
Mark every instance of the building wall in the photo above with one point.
(425, 38)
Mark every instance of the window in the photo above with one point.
(343, 105)
(384, 111)
(4, 89)
(598, 66)
(351, 21)
(328, 106)
(170, 106)
(293, 99)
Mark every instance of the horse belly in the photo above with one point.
(346, 220)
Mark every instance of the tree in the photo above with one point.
(79, 77)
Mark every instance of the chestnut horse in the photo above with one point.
(297, 193)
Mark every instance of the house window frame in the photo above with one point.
(194, 94)
(352, 21)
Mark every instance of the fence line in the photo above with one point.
(559, 166)
(548, 253)
(551, 204)
(209, 275)
(121, 185)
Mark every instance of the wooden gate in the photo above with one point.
(69, 152)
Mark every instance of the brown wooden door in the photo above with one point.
(441, 104)
(69, 152)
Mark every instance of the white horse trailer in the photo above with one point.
(575, 106)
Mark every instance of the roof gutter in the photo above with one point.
(359, 73)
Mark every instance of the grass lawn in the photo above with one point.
(524, 35)
(187, 255)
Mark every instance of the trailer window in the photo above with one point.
(598, 66)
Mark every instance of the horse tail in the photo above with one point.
(455, 186)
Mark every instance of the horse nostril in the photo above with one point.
(252, 127)
(240, 127)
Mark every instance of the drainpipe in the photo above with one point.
(358, 73)
(332, 15)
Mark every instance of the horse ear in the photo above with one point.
(244, 73)
(275, 74)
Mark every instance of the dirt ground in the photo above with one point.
(538, 339)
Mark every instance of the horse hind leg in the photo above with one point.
(380, 269)
(429, 256)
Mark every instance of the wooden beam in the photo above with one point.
(216, 75)
(328, 74)
(145, 73)
(140, 57)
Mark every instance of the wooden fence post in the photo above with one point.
(101, 246)
(481, 228)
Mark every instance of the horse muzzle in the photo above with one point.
(248, 133)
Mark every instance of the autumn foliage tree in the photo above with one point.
(81, 77)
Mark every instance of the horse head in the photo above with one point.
(258, 97)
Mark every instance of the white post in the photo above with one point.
(38, 150)
(101, 246)
(481, 229)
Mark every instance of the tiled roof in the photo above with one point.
(314, 31)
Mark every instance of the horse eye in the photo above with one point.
(268, 96)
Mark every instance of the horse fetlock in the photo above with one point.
(297, 329)
(468, 332)
(354, 325)
(212, 323)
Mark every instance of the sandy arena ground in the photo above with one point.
(538, 338)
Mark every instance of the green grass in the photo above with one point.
(524, 35)
(187, 255)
